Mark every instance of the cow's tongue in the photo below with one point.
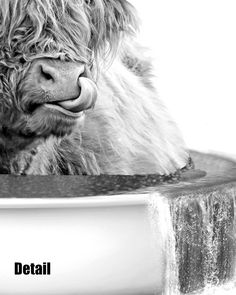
(86, 99)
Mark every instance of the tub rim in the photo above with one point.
(76, 202)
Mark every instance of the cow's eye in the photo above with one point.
(22, 60)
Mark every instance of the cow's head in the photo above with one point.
(49, 54)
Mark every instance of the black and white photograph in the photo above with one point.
(117, 147)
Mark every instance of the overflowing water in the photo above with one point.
(161, 222)
(198, 230)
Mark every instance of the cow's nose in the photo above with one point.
(57, 78)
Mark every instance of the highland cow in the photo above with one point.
(76, 92)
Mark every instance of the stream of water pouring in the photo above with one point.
(199, 240)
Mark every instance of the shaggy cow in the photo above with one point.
(76, 95)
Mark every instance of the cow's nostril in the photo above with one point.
(46, 74)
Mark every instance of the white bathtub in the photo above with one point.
(95, 245)
(101, 245)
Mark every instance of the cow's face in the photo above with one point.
(48, 51)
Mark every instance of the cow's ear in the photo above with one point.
(111, 19)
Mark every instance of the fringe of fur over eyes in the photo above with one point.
(127, 132)
(77, 29)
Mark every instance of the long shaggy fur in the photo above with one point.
(127, 132)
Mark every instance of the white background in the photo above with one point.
(194, 46)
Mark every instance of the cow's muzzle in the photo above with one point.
(67, 86)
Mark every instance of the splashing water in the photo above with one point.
(199, 237)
